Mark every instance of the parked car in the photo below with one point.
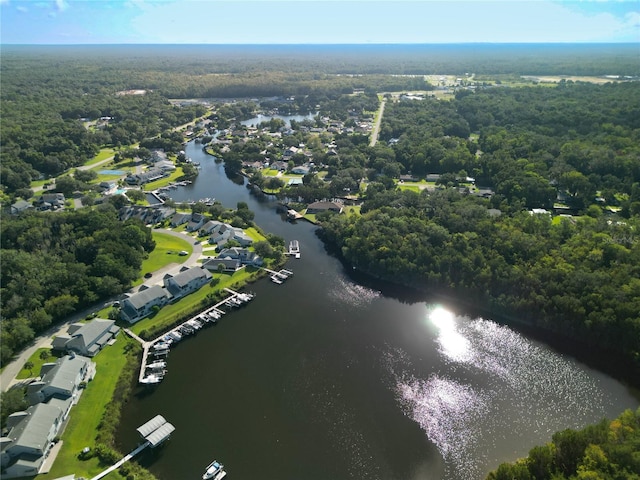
(182, 253)
(148, 275)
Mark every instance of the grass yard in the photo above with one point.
(84, 418)
(413, 188)
(192, 303)
(102, 155)
(352, 209)
(166, 252)
(163, 182)
(37, 363)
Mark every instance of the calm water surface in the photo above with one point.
(325, 378)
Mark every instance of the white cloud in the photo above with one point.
(61, 5)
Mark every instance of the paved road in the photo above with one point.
(376, 128)
(11, 370)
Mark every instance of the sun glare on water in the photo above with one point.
(452, 344)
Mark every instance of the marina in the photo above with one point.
(153, 366)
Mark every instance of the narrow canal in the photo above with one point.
(324, 377)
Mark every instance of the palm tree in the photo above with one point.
(44, 354)
(29, 366)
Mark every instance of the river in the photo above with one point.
(329, 377)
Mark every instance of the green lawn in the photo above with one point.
(192, 303)
(102, 155)
(163, 182)
(84, 418)
(166, 252)
(413, 188)
(37, 364)
(352, 209)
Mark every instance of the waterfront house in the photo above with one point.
(244, 255)
(61, 380)
(228, 264)
(221, 233)
(87, 338)
(165, 165)
(187, 281)
(140, 304)
(319, 207)
(30, 436)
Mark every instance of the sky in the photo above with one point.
(317, 22)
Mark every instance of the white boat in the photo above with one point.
(151, 379)
(195, 324)
(175, 335)
(157, 365)
(275, 279)
(161, 346)
(213, 470)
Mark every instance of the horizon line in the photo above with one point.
(323, 44)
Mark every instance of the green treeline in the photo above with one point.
(53, 265)
(578, 277)
(609, 450)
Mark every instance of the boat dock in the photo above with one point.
(294, 248)
(153, 366)
(279, 276)
(154, 432)
(121, 462)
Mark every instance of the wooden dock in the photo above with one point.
(148, 345)
(121, 462)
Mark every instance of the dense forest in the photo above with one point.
(574, 275)
(55, 264)
(608, 450)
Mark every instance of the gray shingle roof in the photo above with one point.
(183, 278)
(64, 374)
(33, 431)
(141, 298)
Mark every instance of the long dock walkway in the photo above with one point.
(147, 345)
(122, 461)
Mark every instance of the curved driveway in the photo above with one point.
(11, 370)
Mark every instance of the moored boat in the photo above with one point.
(213, 470)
